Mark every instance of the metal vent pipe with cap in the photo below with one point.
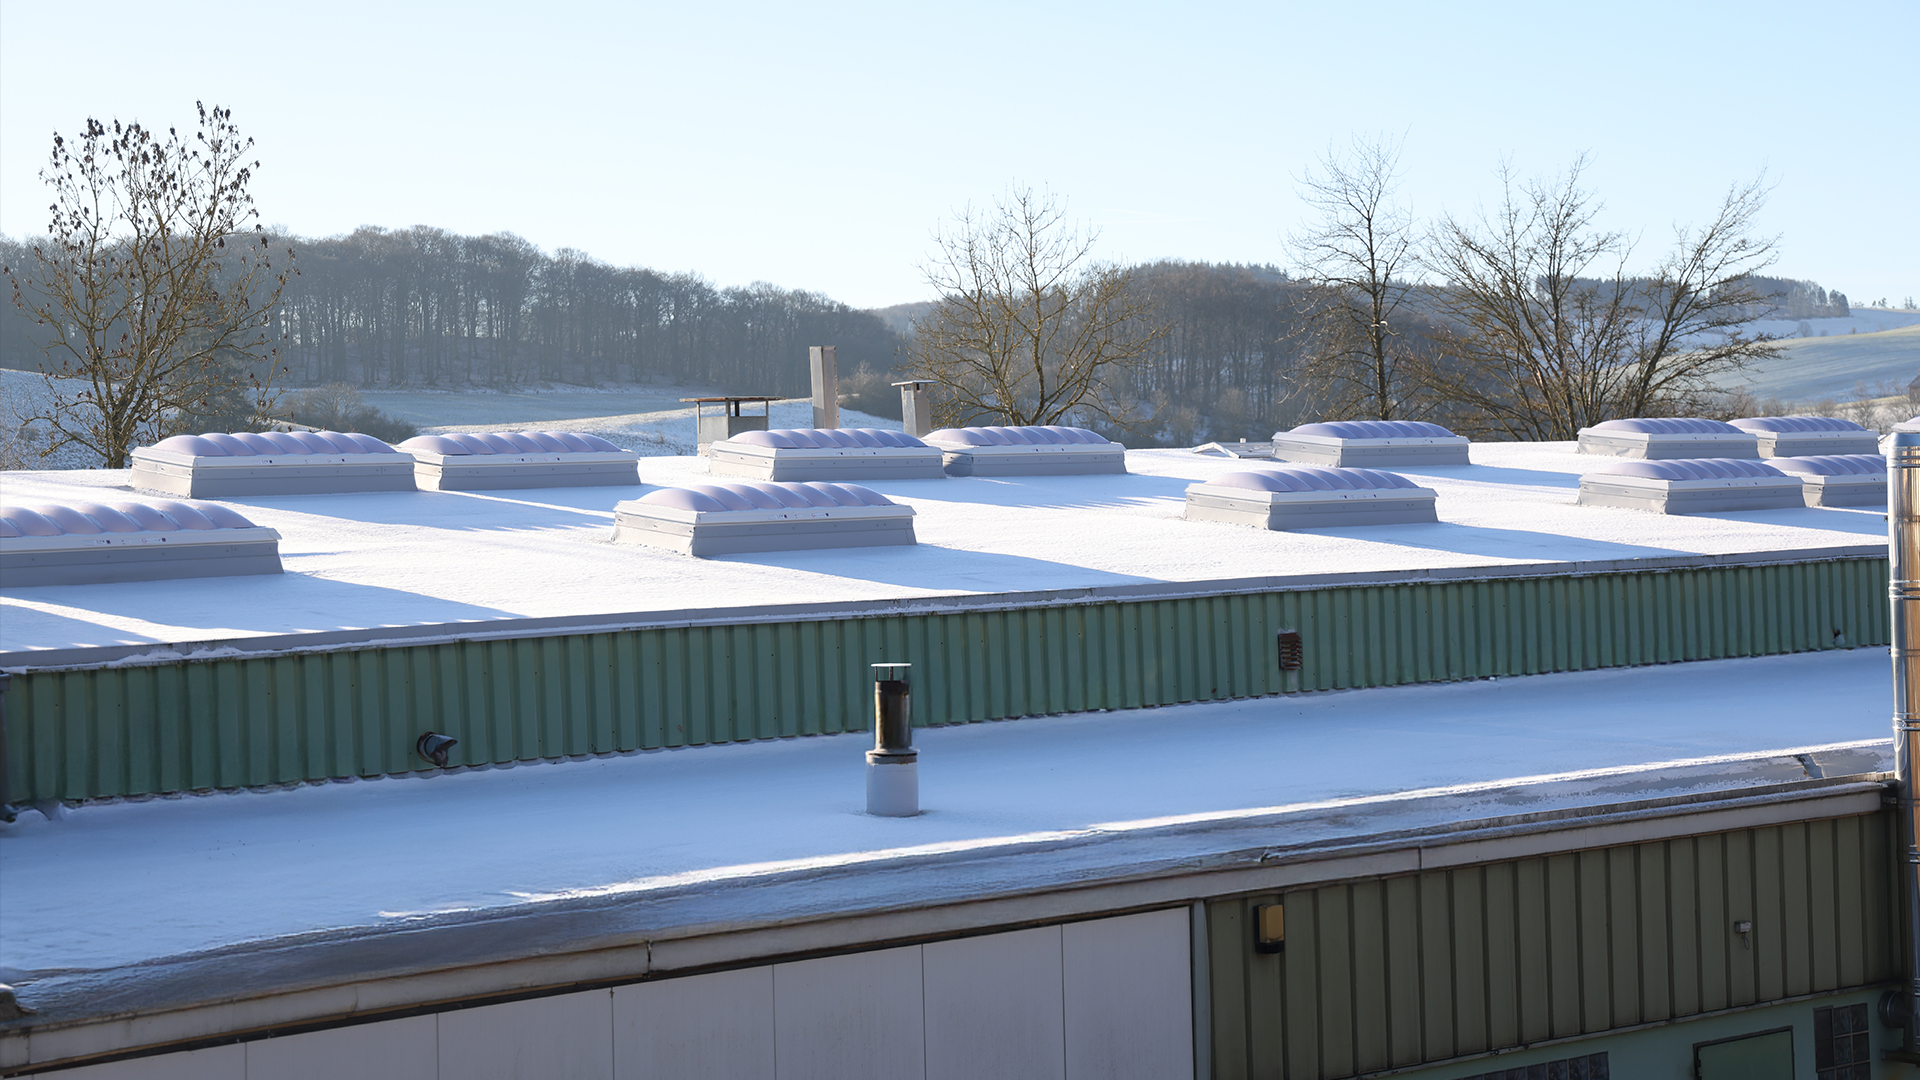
(893, 765)
(1903, 594)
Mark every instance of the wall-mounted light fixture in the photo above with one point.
(1270, 928)
(435, 747)
(1744, 927)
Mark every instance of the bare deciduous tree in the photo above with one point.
(152, 290)
(1359, 359)
(1546, 332)
(1028, 328)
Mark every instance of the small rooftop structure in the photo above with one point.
(1371, 443)
(830, 454)
(1839, 479)
(1308, 497)
(1668, 437)
(480, 461)
(1032, 450)
(216, 465)
(1691, 486)
(729, 519)
(87, 543)
(1808, 436)
(728, 421)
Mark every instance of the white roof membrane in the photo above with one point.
(364, 565)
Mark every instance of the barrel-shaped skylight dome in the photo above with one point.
(92, 543)
(1689, 469)
(272, 444)
(770, 495)
(1796, 424)
(1668, 425)
(488, 443)
(95, 519)
(1312, 478)
(825, 438)
(1375, 429)
(1832, 465)
(1034, 435)
(769, 515)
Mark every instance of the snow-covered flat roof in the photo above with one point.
(680, 837)
(410, 559)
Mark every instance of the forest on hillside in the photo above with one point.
(424, 307)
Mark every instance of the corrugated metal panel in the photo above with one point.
(356, 712)
(1396, 972)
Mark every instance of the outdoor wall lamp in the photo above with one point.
(1270, 928)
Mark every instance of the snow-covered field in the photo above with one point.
(1862, 321)
(112, 884)
(24, 394)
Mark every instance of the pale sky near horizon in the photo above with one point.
(818, 146)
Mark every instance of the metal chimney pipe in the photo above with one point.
(1903, 594)
(893, 765)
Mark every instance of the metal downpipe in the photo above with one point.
(1903, 594)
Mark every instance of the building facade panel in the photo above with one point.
(237, 721)
(1505, 955)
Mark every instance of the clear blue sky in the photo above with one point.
(816, 146)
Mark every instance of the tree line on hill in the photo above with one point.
(1519, 323)
(424, 307)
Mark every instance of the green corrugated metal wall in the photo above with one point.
(1391, 973)
(252, 721)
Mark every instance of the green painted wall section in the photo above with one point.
(223, 723)
(1394, 972)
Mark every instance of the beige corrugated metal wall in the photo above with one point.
(243, 721)
(1400, 971)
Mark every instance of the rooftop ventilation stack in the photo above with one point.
(1903, 588)
(893, 765)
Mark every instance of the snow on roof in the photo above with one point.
(1796, 424)
(1668, 425)
(112, 884)
(1375, 429)
(410, 558)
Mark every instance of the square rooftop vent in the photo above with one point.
(214, 465)
(1371, 444)
(1691, 486)
(1668, 437)
(798, 455)
(1036, 450)
(88, 543)
(1307, 497)
(485, 461)
(732, 519)
(1839, 479)
(1808, 436)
